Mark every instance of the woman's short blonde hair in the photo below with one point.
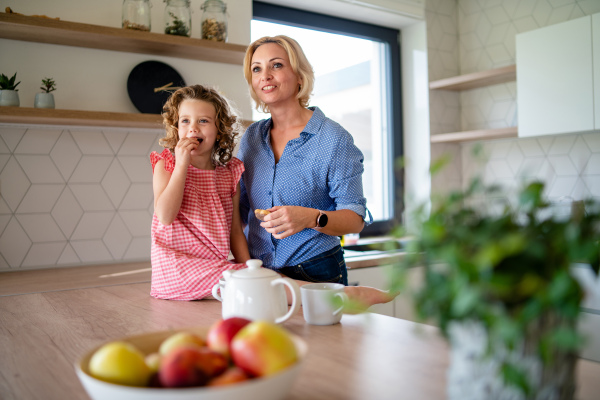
(228, 125)
(299, 64)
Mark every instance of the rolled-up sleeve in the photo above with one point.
(345, 181)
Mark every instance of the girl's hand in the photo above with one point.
(288, 220)
(183, 151)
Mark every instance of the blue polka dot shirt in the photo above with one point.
(321, 169)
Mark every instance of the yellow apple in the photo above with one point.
(262, 348)
(180, 339)
(120, 362)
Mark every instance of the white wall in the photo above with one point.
(469, 35)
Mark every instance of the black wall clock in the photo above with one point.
(144, 78)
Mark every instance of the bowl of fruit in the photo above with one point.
(233, 358)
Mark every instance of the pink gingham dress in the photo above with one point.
(190, 255)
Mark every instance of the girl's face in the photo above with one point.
(273, 79)
(197, 120)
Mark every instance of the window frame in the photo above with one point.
(305, 19)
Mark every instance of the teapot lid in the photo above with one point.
(254, 271)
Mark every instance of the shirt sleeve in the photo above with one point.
(165, 155)
(236, 168)
(345, 184)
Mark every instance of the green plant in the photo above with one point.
(178, 27)
(7, 83)
(48, 85)
(505, 264)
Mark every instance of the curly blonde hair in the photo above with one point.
(298, 62)
(228, 125)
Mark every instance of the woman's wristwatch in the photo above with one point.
(321, 220)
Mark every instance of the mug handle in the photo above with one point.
(344, 298)
(215, 291)
(295, 297)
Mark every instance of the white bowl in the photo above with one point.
(272, 387)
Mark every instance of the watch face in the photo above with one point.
(147, 76)
(323, 220)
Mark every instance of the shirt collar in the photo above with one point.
(311, 128)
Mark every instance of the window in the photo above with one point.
(357, 84)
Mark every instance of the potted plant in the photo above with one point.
(9, 95)
(46, 98)
(497, 282)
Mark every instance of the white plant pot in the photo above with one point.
(9, 98)
(475, 375)
(44, 100)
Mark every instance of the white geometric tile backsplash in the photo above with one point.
(484, 37)
(72, 196)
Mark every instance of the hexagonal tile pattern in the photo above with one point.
(15, 183)
(65, 155)
(14, 243)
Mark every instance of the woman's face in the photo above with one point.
(273, 79)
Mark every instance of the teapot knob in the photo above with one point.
(254, 264)
(227, 274)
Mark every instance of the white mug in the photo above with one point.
(318, 303)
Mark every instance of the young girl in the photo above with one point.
(196, 196)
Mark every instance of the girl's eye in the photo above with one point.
(204, 121)
(184, 121)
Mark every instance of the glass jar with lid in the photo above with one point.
(214, 20)
(178, 18)
(136, 15)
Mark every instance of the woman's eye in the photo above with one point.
(277, 65)
(256, 69)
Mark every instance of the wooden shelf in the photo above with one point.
(45, 116)
(483, 134)
(44, 30)
(476, 79)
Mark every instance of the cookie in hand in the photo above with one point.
(260, 214)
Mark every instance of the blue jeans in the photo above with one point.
(328, 266)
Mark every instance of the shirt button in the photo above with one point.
(269, 192)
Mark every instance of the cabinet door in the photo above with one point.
(374, 277)
(596, 51)
(554, 79)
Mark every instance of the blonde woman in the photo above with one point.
(303, 168)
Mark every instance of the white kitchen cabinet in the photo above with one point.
(555, 84)
(376, 277)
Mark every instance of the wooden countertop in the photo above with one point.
(366, 356)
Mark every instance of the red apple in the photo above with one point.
(262, 348)
(232, 375)
(222, 332)
(190, 366)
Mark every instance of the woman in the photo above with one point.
(302, 167)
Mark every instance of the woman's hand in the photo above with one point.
(288, 220)
(183, 151)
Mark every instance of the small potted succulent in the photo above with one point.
(9, 95)
(46, 98)
(498, 282)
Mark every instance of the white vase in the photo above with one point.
(9, 98)
(44, 100)
(474, 374)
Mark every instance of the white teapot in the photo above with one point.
(256, 293)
